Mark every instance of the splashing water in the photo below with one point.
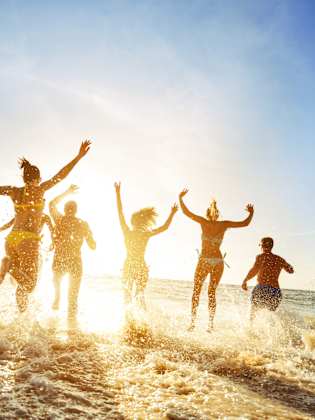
(147, 366)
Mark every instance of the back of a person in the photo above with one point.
(270, 266)
(29, 205)
(212, 237)
(69, 237)
(136, 242)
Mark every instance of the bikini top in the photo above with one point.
(38, 206)
(213, 240)
(32, 205)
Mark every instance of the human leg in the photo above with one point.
(57, 277)
(75, 274)
(24, 269)
(216, 274)
(201, 272)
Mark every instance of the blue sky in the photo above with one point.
(214, 95)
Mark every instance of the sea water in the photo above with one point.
(146, 365)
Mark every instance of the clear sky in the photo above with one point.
(217, 96)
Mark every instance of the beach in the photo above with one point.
(150, 367)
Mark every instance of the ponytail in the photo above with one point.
(30, 172)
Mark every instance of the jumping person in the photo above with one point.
(22, 244)
(70, 233)
(135, 270)
(210, 259)
(267, 293)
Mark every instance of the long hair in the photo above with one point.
(213, 211)
(144, 218)
(30, 172)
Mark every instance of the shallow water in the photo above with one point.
(150, 367)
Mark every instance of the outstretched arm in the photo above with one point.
(89, 237)
(55, 214)
(85, 147)
(187, 212)
(242, 223)
(251, 274)
(288, 267)
(122, 219)
(7, 190)
(7, 225)
(167, 223)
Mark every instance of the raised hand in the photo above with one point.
(84, 148)
(73, 189)
(174, 208)
(183, 193)
(250, 208)
(117, 187)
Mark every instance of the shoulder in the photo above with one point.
(82, 223)
(17, 191)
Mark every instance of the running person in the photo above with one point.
(267, 293)
(210, 259)
(135, 270)
(70, 233)
(22, 244)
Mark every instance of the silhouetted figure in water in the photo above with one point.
(5, 263)
(267, 293)
(210, 259)
(135, 271)
(22, 244)
(70, 233)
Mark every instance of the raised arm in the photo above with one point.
(7, 225)
(122, 219)
(54, 213)
(251, 274)
(167, 223)
(89, 237)
(187, 212)
(85, 147)
(242, 223)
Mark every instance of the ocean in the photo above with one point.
(147, 366)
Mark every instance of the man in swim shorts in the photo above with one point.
(69, 235)
(267, 293)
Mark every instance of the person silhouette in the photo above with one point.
(267, 293)
(210, 260)
(69, 234)
(22, 244)
(135, 270)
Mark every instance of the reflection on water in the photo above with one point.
(148, 366)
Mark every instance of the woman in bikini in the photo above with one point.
(22, 244)
(210, 259)
(135, 270)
